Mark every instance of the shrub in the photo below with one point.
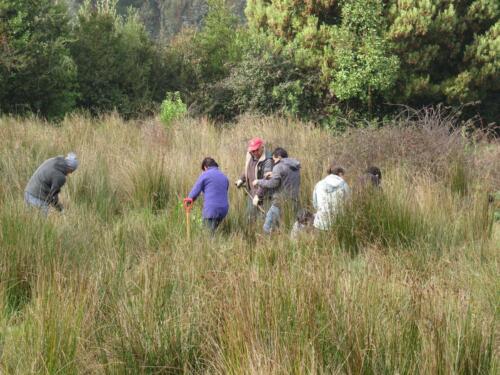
(172, 108)
(265, 81)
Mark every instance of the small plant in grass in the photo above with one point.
(172, 108)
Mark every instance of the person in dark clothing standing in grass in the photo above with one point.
(44, 186)
(372, 177)
(284, 185)
(214, 185)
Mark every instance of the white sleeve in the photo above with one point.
(315, 197)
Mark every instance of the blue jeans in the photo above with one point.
(272, 219)
(212, 224)
(32, 201)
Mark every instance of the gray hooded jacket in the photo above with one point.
(284, 182)
(48, 179)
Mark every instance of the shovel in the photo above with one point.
(250, 196)
(188, 204)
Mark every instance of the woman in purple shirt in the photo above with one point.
(214, 185)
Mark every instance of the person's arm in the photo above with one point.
(272, 183)
(198, 187)
(260, 192)
(240, 181)
(55, 188)
(268, 166)
(315, 198)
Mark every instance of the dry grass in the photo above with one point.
(407, 283)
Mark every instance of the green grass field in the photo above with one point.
(406, 283)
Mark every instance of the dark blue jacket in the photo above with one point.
(214, 185)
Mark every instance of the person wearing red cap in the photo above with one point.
(258, 165)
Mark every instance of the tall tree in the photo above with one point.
(115, 57)
(449, 51)
(37, 73)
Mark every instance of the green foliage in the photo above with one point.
(320, 61)
(115, 58)
(371, 52)
(449, 51)
(172, 108)
(265, 81)
(181, 70)
(37, 73)
(346, 39)
(218, 43)
(362, 64)
(200, 60)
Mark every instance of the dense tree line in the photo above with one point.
(318, 60)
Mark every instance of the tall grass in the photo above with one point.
(405, 282)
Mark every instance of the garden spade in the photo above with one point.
(188, 204)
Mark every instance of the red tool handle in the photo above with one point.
(187, 203)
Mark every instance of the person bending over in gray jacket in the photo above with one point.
(44, 186)
(284, 185)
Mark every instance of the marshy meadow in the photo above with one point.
(406, 282)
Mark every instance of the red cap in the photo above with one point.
(255, 144)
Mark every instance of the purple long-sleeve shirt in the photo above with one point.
(214, 185)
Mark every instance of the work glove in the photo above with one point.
(256, 200)
(239, 183)
(255, 182)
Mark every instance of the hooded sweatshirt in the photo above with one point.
(328, 198)
(284, 182)
(48, 179)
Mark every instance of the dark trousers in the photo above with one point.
(212, 224)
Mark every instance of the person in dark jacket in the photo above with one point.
(284, 185)
(372, 177)
(258, 165)
(214, 185)
(42, 190)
